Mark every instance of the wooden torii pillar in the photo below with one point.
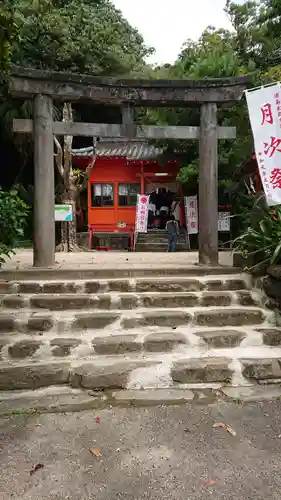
(208, 186)
(44, 88)
(44, 183)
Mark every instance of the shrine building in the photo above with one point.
(122, 170)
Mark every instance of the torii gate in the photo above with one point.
(44, 87)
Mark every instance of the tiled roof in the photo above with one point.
(133, 149)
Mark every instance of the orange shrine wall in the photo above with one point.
(118, 171)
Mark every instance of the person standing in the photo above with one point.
(172, 230)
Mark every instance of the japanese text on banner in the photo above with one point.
(264, 107)
(142, 213)
(191, 214)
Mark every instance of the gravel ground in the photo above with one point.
(167, 453)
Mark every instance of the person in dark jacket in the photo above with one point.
(172, 229)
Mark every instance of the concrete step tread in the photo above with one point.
(120, 271)
(211, 277)
(55, 399)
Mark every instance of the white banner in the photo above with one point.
(264, 107)
(142, 213)
(191, 214)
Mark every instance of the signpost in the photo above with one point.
(63, 213)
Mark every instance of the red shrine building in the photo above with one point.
(123, 170)
(248, 174)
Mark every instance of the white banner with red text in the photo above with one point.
(264, 105)
(142, 213)
(191, 217)
(191, 214)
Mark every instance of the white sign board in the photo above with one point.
(191, 214)
(264, 107)
(224, 222)
(63, 213)
(142, 213)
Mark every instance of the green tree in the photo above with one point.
(76, 36)
(213, 56)
(13, 217)
(8, 32)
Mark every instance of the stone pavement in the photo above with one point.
(23, 259)
(159, 453)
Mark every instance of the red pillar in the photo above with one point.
(142, 188)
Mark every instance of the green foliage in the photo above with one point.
(13, 216)
(8, 31)
(189, 174)
(79, 36)
(253, 48)
(262, 239)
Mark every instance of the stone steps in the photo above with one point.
(195, 339)
(157, 237)
(26, 320)
(64, 399)
(132, 331)
(129, 300)
(176, 370)
(216, 283)
(160, 246)
(156, 241)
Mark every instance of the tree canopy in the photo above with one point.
(85, 36)
(91, 36)
(251, 47)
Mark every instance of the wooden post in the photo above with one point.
(208, 186)
(44, 184)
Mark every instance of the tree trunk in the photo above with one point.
(63, 246)
(71, 188)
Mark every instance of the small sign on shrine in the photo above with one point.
(63, 213)
(224, 222)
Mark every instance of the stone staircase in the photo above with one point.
(156, 241)
(159, 331)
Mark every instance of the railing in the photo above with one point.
(135, 240)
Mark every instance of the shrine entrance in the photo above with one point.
(44, 88)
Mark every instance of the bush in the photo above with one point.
(262, 240)
(13, 217)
